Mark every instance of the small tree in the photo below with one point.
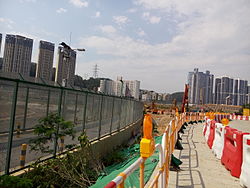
(50, 129)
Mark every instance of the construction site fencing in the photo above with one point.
(165, 150)
(23, 103)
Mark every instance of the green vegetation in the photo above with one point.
(75, 168)
(177, 95)
(246, 106)
(15, 182)
(90, 84)
(50, 129)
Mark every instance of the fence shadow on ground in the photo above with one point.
(189, 177)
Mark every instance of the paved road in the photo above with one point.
(200, 168)
(240, 125)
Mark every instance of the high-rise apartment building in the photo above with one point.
(134, 87)
(65, 69)
(33, 67)
(223, 91)
(53, 77)
(230, 91)
(120, 87)
(1, 63)
(0, 41)
(107, 87)
(248, 95)
(45, 60)
(240, 92)
(17, 54)
(200, 87)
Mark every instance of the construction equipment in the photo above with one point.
(154, 108)
(185, 99)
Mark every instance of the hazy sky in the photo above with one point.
(155, 41)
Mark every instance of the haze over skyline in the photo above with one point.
(155, 41)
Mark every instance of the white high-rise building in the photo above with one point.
(45, 60)
(120, 87)
(106, 86)
(200, 87)
(134, 88)
(17, 54)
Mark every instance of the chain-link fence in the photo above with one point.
(23, 103)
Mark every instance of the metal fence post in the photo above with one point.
(112, 114)
(100, 119)
(119, 125)
(59, 114)
(85, 112)
(25, 108)
(75, 108)
(48, 101)
(12, 124)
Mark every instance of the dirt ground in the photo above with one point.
(162, 121)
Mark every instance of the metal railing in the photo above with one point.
(166, 148)
(23, 103)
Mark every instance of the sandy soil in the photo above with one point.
(162, 121)
(200, 168)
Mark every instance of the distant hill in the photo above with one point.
(90, 84)
(177, 95)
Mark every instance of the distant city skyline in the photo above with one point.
(205, 89)
(156, 42)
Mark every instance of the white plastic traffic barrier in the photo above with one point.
(245, 168)
(218, 144)
(208, 129)
(246, 118)
(234, 117)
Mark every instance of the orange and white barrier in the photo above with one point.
(147, 148)
(218, 144)
(245, 168)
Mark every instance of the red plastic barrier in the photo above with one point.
(205, 128)
(232, 152)
(247, 118)
(210, 139)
